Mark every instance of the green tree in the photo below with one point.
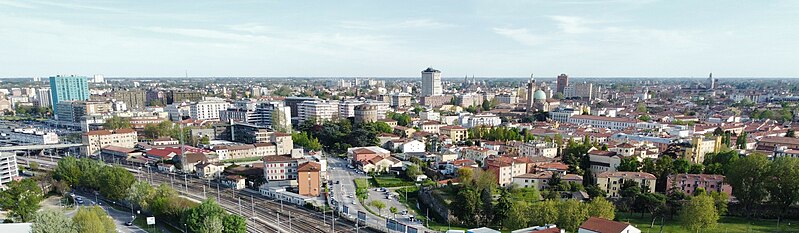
(629, 164)
(740, 141)
(52, 221)
(115, 182)
(205, 140)
(195, 218)
(696, 168)
(116, 122)
(699, 214)
(279, 121)
(465, 175)
(572, 213)
(234, 224)
(141, 193)
(790, 133)
(486, 106)
(544, 212)
(601, 208)
(746, 176)
(68, 170)
(379, 205)
(682, 166)
(33, 165)
(641, 107)
(93, 220)
(467, 205)
(721, 200)
(212, 224)
(413, 171)
(21, 199)
(393, 211)
(783, 185)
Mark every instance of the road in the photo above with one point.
(120, 217)
(344, 192)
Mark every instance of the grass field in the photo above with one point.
(390, 182)
(361, 183)
(725, 224)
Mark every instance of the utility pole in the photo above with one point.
(171, 181)
(186, 183)
(240, 213)
(252, 205)
(217, 193)
(290, 221)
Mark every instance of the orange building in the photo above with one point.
(308, 179)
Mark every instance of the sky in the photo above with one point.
(242, 38)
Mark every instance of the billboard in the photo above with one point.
(362, 216)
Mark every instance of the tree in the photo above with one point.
(601, 208)
(195, 217)
(115, 182)
(33, 165)
(696, 168)
(234, 224)
(466, 206)
(486, 106)
(205, 140)
(93, 220)
(572, 214)
(379, 205)
(641, 107)
(645, 117)
(212, 224)
(783, 186)
(21, 199)
(68, 170)
(699, 213)
(413, 171)
(503, 207)
(545, 212)
(682, 165)
(116, 122)
(790, 133)
(141, 193)
(279, 121)
(629, 164)
(52, 221)
(393, 211)
(721, 200)
(740, 142)
(746, 176)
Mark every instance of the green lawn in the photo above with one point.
(390, 181)
(361, 183)
(726, 224)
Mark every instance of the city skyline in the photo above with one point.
(603, 38)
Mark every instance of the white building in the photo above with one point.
(533, 149)
(8, 167)
(430, 115)
(471, 121)
(346, 108)
(318, 110)
(613, 123)
(208, 109)
(44, 98)
(563, 114)
(33, 136)
(431, 82)
(507, 98)
(178, 110)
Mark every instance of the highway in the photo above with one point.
(263, 214)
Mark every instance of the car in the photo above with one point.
(129, 223)
(350, 196)
(353, 202)
(337, 182)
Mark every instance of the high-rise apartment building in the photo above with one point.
(68, 88)
(208, 109)
(431, 82)
(44, 97)
(317, 110)
(563, 81)
(95, 140)
(8, 167)
(135, 99)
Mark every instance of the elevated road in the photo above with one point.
(40, 147)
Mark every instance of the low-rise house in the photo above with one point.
(599, 225)
(603, 161)
(378, 164)
(235, 181)
(454, 132)
(477, 154)
(209, 170)
(611, 182)
(308, 179)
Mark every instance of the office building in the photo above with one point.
(74, 111)
(64, 88)
(563, 82)
(431, 82)
(294, 102)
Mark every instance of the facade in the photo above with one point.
(208, 109)
(95, 140)
(613, 123)
(33, 136)
(365, 113)
(308, 179)
(399, 100)
(611, 182)
(688, 183)
(317, 110)
(507, 98)
(74, 111)
(505, 168)
(431, 82)
(44, 97)
(563, 82)
(182, 96)
(454, 132)
(280, 168)
(603, 161)
(135, 99)
(489, 120)
(8, 167)
(71, 87)
(346, 108)
(580, 90)
(533, 149)
(436, 101)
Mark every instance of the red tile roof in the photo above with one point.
(603, 226)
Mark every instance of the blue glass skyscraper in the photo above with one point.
(71, 87)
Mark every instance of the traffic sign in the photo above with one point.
(362, 216)
(150, 220)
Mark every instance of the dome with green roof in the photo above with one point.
(539, 95)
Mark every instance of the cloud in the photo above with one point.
(16, 4)
(521, 35)
(416, 24)
(572, 24)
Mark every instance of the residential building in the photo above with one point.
(613, 123)
(431, 82)
(74, 111)
(478, 154)
(505, 168)
(317, 110)
(235, 181)
(44, 97)
(436, 101)
(538, 148)
(563, 82)
(400, 100)
(208, 109)
(700, 146)
(8, 167)
(280, 168)
(540, 180)
(308, 179)
(433, 127)
(507, 98)
(294, 103)
(611, 182)
(688, 183)
(488, 120)
(603, 161)
(454, 132)
(209, 170)
(63, 88)
(135, 99)
(346, 108)
(179, 96)
(600, 225)
(95, 140)
(430, 115)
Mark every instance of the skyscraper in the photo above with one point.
(43, 96)
(71, 87)
(563, 81)
(711, 83)
(431, 82)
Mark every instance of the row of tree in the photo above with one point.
(166, 129)
(112, 182)
(87, 220)
(338, 136)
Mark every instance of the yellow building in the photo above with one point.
(700, 146)
(611, 182)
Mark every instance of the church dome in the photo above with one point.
(539, 95)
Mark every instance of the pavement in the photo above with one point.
(338, 171)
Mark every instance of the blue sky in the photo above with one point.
(583, 38)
